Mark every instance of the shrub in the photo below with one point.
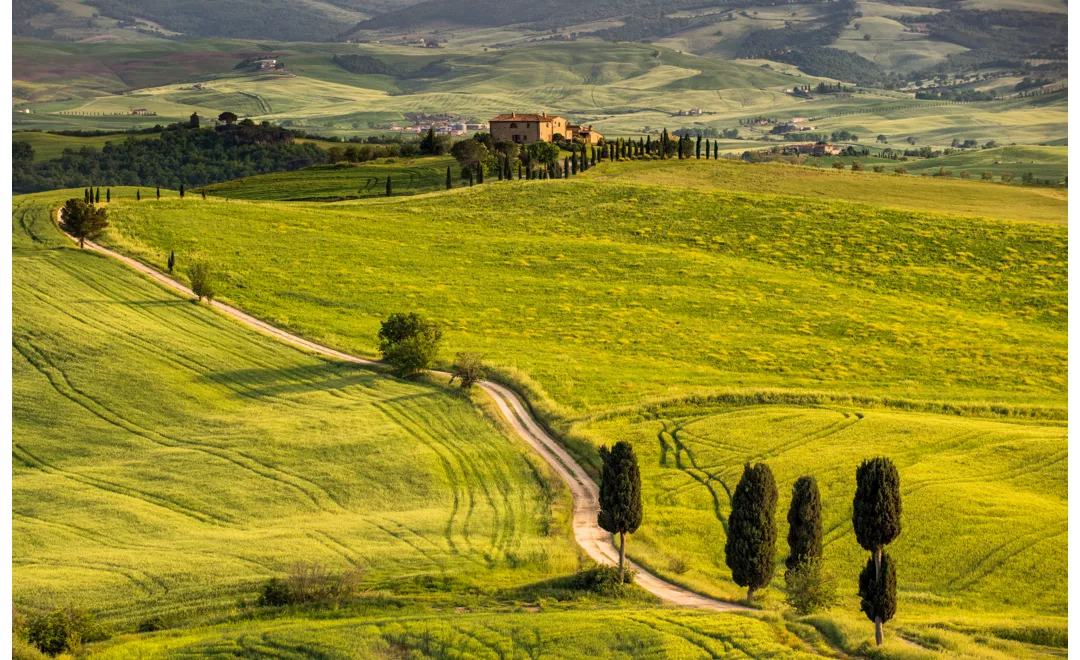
(856, 166)
(987, 176)
(201, 276)
(604, 580)
(63, 630)
(151, 624)
(468, 368)
(1006, 176)
(838, 164)
(900, 170)
(409, 343)
(964, 174)
(309, 582)
(810, 587)
(879, 168)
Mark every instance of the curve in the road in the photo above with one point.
(596, 543)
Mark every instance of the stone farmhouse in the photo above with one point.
(526, 129)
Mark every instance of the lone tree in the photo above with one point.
(193, 121)
(620, 496)
(202, 280)
(172, 260)
(804, 521)
(159, 192)
(82, 220)
(751, 545)
(138, 195)
(227, 117)
(875, 515)
(449, 181)
(409, 342)
(468, 368)
(181, 191)
(389, 187)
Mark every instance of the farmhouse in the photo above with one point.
(142, 111)
(815, 149)
(526, 129)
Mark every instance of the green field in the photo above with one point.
(714, 327)
(167, 460)
(49, 145)
(1013, 202)
(408, 176)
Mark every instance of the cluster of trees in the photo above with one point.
(184, 155)
(710, 132)
(952, 93)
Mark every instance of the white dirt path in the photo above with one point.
(596, 543)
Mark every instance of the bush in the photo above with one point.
(810, 588)
(409, 343)
(879, 168)
(856, 166)
(468, 368)
(900, 170)
(151, 624)
(201, 276)
(604, 580)
(838, 164)
(309, 583)
(63, 630)
(964, 174)
(987, 176)
(1006, 176)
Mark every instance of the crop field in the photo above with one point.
(713, 327)
(1013, 202)
(166, 460)
(605, 634)
(49, 145)
(344, 181)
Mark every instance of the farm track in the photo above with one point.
(596, 543)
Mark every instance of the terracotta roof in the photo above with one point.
(521, 117)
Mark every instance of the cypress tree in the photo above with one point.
(875, 515)
(172, 260)
(204, 193)
(470, 176)
(877, 589)
(751, 544)
(479, 173)
(500, 168)
(519, 170)
(620, 495)
(648, 144)
(97, 196)
(804, 521)
(566, 167)
(108, 194)
(389, 187)
(663, 144)
(159, 192)
(449, 181)
(86, 195)
(181, 191)
(138, 195)
(573, 162)
(699, 146)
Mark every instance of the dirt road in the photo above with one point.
(596, 542)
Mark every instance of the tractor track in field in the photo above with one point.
(597, 544)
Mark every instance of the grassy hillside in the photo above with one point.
(1012, 202)
(344, 181)
(50, 145)
(166, 460)
(711, 328)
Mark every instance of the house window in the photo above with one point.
(513, 125)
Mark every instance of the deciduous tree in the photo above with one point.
(409, 343)
(83, 221)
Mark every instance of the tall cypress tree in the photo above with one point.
(751, 544)
(663, 144)
(172, 259)
(499, 168)
(181, 191)
(566, 167)
(138, 195)
(449, 181)
(479, 173)
(470, 176)
(876, 512)
(159, 192)
(108, 195)
(620, 495)
(204, 193)
(699, 146)
(648, 144)
(97, 196)
(519, 170)
(389, 187)
(804, 523)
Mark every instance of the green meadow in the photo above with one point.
(711, 327)
(167, 460)
(344, 180)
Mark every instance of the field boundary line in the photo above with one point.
(597, 544)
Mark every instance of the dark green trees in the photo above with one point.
(875, 516)
(193, 121)
(804, 523)
(751, 545)
(620, 495)
(409, 342)
(389, 187)
(82, 220)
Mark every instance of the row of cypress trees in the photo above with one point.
(92, 195)
(573, 164)
(751, 535)
(665, 147)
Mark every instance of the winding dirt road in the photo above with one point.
(597, 543)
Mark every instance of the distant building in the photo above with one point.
(265, 65)
(585, 134)
(815, 149)
(142, 111)
(797, 120)
(526, 129)
(695, 111)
